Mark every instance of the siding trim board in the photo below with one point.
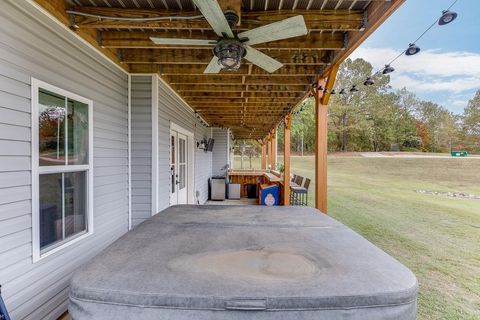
(154, 145)
(129, 146)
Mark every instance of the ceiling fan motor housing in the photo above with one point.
(232, 18)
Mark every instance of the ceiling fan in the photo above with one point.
(232, 47)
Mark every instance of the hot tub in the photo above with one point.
(242, 262)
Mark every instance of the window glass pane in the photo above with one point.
(51, 230)
(77, 115)
(51, 125)
(75, 202)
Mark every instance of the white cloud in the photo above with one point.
(427, 84)
(430, 70)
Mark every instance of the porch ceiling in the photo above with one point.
(250, 101)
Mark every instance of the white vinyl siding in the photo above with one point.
(220, 151)
(171, 109)
(141, 111)
(32, 45)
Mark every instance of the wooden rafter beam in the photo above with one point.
(261, 94)
(203, 56)
(125, 39)
(197, 69)
(251, 80)
(327, 20)
(221, 87)
(274, 100)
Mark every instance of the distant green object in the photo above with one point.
(459, 153)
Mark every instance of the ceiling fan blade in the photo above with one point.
(213, 13)
(262, 60)
(213, 66)
(288, 28)
(186, 42)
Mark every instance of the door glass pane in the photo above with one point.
(50, 209)
(172, 167)
(182, 163)
(51, 125)
(181, 147)
(75, 202)
(77, 115)
(183, 168)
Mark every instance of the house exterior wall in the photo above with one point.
(171, 109)
(141, 119)
(220, 152)
(32, 45)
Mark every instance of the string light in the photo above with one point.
(446, 18)
(412, 49)
(369, 82)
(388, 69)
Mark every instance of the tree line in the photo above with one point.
(377, 118)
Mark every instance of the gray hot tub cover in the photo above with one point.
(242, 262)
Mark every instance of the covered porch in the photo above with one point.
(154, 127)
(250, 102)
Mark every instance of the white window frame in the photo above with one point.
(36, 85)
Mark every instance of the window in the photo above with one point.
(62, 168)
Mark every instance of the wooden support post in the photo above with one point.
(273, 159)
(286, 161)
(269, 148)
(321, 147)
(264, 156)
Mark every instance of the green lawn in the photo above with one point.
(437, 237)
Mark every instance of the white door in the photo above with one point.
(182, 169)
(173, 168)
(178, 168)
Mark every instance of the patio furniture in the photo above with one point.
(242, 262)
(293, 178)
(299, 194)
(295, 196)
(299, 180)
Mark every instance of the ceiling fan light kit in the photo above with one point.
(229, 53)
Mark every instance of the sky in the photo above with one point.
(447, 69)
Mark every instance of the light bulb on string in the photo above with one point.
(447, 17)
(412, 49)
(369, 82)
(388, 69)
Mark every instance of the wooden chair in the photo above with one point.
(299, 194)
(299, 180)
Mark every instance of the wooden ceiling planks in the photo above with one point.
(251, 101)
